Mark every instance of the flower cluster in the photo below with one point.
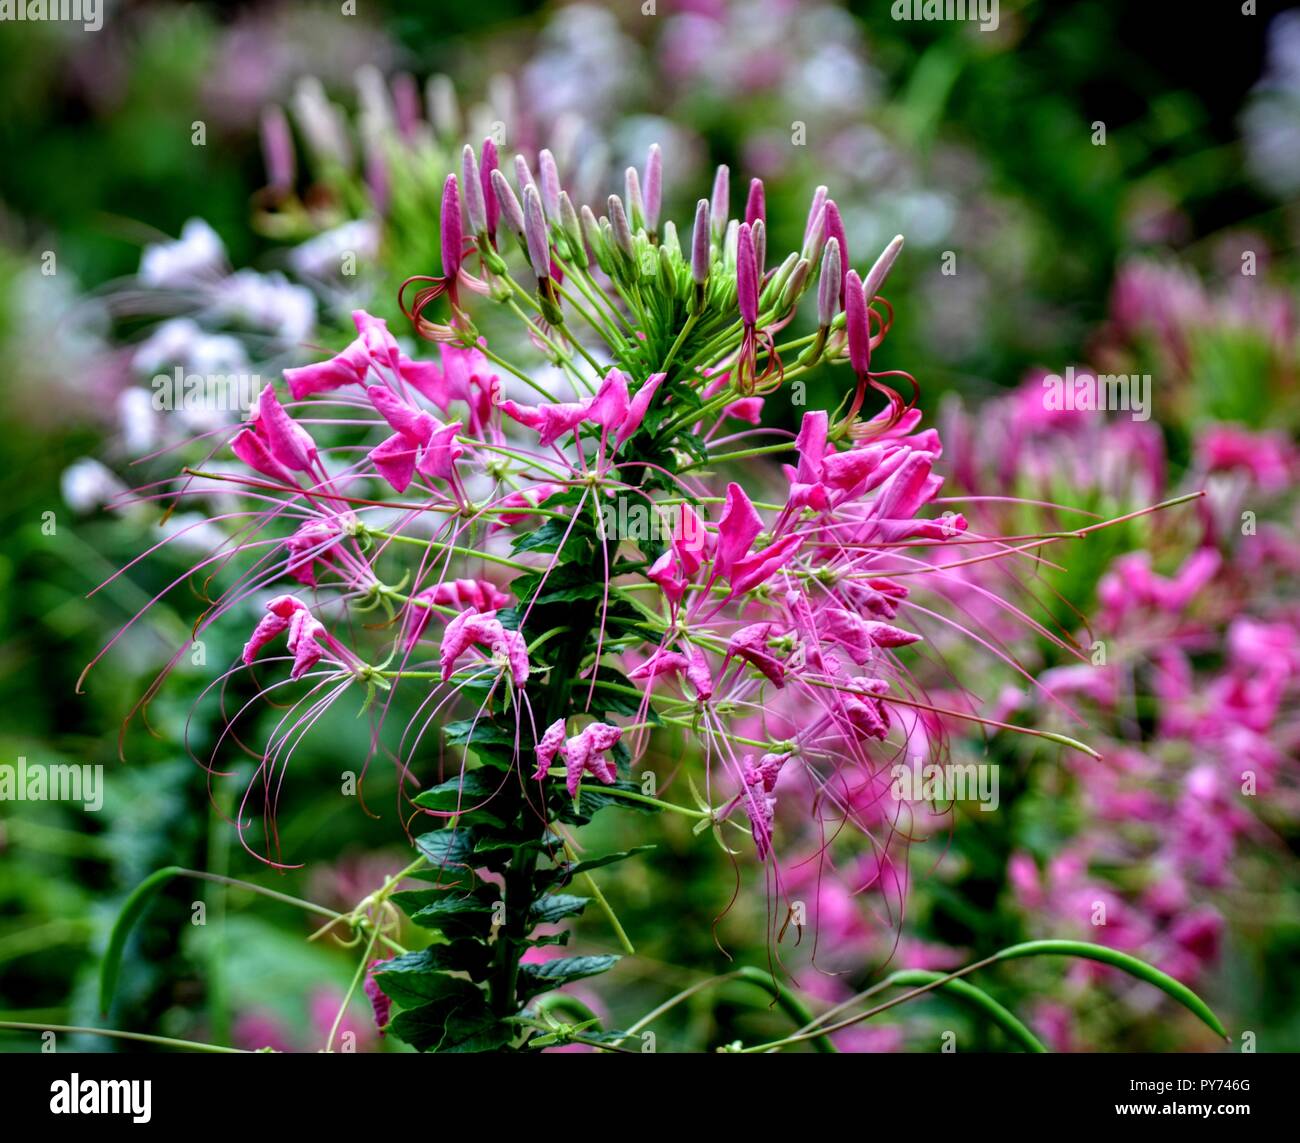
(564, 582)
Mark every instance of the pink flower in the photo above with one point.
(286, 613)
(477, 594)
(373, 346)
(482, 629)
(738, 528)
(582, 754)
(752, 645)
(1269, 458)
(610, 409)
(760, 805)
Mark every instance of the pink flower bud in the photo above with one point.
(746, 276)
(756, 203)
(828, 285)
(550, 185)
(654, 187)
(835, 229)
(453, 237)
(539, 245)
(475, 204)
(859, 325)
(720, 204)
(504, 197)
(700, 255)
(488, 163)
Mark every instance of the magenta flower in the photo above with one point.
(582, 754)
(453, 238)
(473, 628)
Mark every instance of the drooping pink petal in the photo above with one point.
(638, 407)
(252, 450)
(758, 568)
(548, 746)
(287, 440)
(442, 451)
(551, 421)
(395, 459)
(414, 424)
(751, 644)
(609, 407)
(738, 527)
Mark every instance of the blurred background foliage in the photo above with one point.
(982, 146)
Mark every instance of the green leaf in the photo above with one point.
(459, 794)
(453, 913)
(454, 846)
(555, 973)
(456, 1019)
(555, 907)
(1134, 967)
(472, 957)
(132, 910)
(477, 733)
(564, 873)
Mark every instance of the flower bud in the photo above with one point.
(669, 239)
(475, 205)
(550, 184)
(795, 284)
(523, 174)
(488, 162)
(505, 198)
(835, 229)
(759, 231)
(815, 218)
(700, 255)
(622, 231)
(591, 232)
(775, 283)
(720, 204)
(828, 285)
(667, 273)
(880, 271)
(756, 203)
(453, 236)
(572, 231)
(654, 187)
(858, 324)
(635, 207)
(277, 149)
(539, 246)
(815, 236)
(746, 276)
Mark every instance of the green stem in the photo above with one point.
(112, 1033)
